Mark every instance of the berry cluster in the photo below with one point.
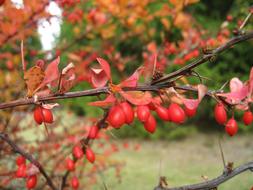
(231, 126)
(78, 153)
(43, 115)
(123, 113)
(22, 172)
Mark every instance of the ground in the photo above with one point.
(182, 162)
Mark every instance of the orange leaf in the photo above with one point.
(33, 79)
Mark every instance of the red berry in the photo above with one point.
(128, 111)
(229, 18)
(47, 115)
(41, 114)
(90, 155)
(116, 117)
(247, 117)
(143, 113)
(38, 116)
(231, 127)
(31, 182)
(176, 113)
(20, 160)
(163, 113)
(70, 165)
(75, 182)
(21, 171)
(150, 124)
(77, 152)
(190, 112)
(220, 114)
(93, 132)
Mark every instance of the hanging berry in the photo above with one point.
(128, 111)
(150, 124)
(70, 165)
(20, 160)
(77, 152)
(41, 115)
(93, 132)
(116, 116)
(247, 117)
(231, 127)
(21, 171)
(75, 182)
(162, 113)
(31, 182)
(220, 114)
(176, 113)
(143, 113)
(90, 155)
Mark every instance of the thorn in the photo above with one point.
(223, 86)
(229, 168)
(163, 182)
(204, 177)
(114, 136)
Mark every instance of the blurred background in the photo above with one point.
(127, 33)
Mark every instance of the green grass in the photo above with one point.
(182, 162)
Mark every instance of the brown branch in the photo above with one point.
(97, 91)
(214, 183)
(29, 157)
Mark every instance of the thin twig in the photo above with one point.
(29, 157)
(184, 70)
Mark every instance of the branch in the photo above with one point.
(214, 183)
(97, 91)
(186, 69)
(29, 157)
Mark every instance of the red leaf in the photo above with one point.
(110, 99)
(238, 91)
(133, 79)
(194, 103)
(98, 78)
(105, 66)
(191, 103)
(137, 98)
(235, 85)
(51, 73)
(68, 77)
